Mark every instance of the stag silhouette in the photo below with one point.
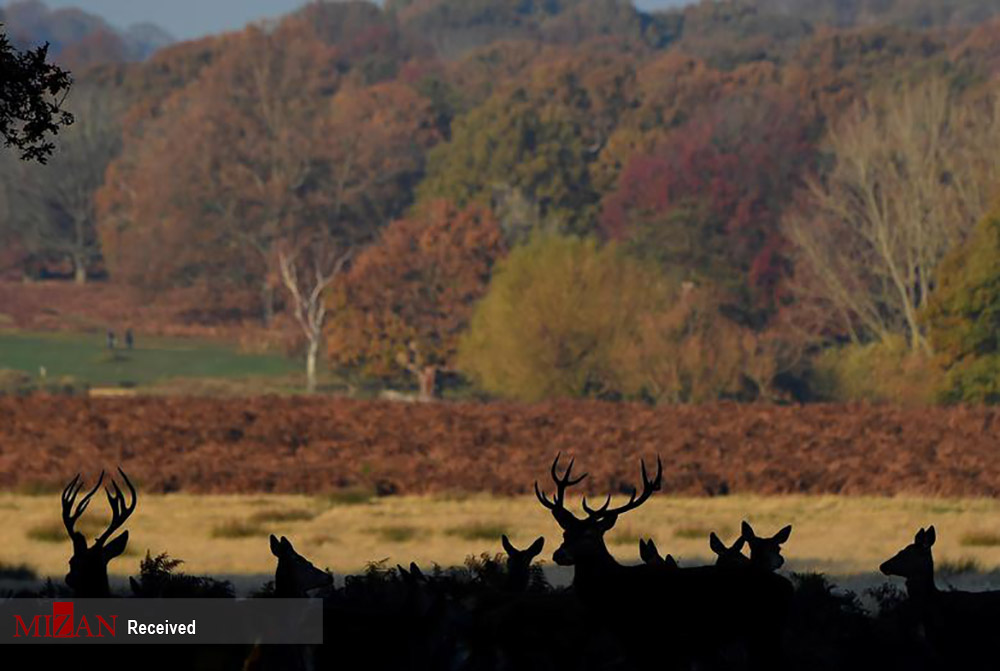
(698, 610)
(88, 567)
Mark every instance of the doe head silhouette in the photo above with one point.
(915, 560)
(765, 553)
(295, 575)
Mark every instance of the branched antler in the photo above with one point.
(120, 511)
(69, 494)
(556, 505)
(648, 487)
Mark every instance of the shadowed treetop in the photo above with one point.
(31, 96)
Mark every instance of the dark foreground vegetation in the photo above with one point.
(497, 613)
(319, 445)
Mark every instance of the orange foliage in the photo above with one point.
(408, 297)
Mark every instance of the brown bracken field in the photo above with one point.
(320, 445)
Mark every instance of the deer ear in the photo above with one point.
(670, 561)
(782, 536)
(537, 546)
(918, 538)
(115, 547)
(717, 546)
(738, 545)
(275, 546)
(747, 531)
(507, 547)
(930, 537)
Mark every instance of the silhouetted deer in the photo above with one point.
(960, 626)
(519, 563)
(701, 610)
(650, 555)
(295, 575)
(731, 556)
(765, 553)
(88, 567)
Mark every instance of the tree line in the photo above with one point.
(569, 199)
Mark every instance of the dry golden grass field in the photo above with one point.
(227, 535)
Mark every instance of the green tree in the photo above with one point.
(963, 316)
(554, 312)
(514, 141)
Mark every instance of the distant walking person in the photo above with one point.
(129, 340)
(111, 339)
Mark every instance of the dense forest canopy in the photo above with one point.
(785, 177)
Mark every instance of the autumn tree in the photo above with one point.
(265, 140)
(913, 173)
(32, 91)
(240, 147)
(408, 297)
(684, 352)
(555, 311)
(705, 199)
(52, 206)
(537, 138)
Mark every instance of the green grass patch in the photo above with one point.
(397, 534)
(84, 358)
(238, 529)
(479, 531)
(298, 515)
(980, 539)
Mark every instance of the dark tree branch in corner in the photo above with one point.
(31, 96)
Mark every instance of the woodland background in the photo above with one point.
(758, 201)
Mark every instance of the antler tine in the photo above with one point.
(636, 499)
(599, 511)
(562, 482)
(542, 498)
(69, 495)
(120, 510)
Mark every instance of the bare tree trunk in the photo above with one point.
(312, 354)
(307, 289)
(427, 379)
(79, 269)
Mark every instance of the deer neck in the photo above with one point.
(98, 589)
(595, 571)
(921, 588)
